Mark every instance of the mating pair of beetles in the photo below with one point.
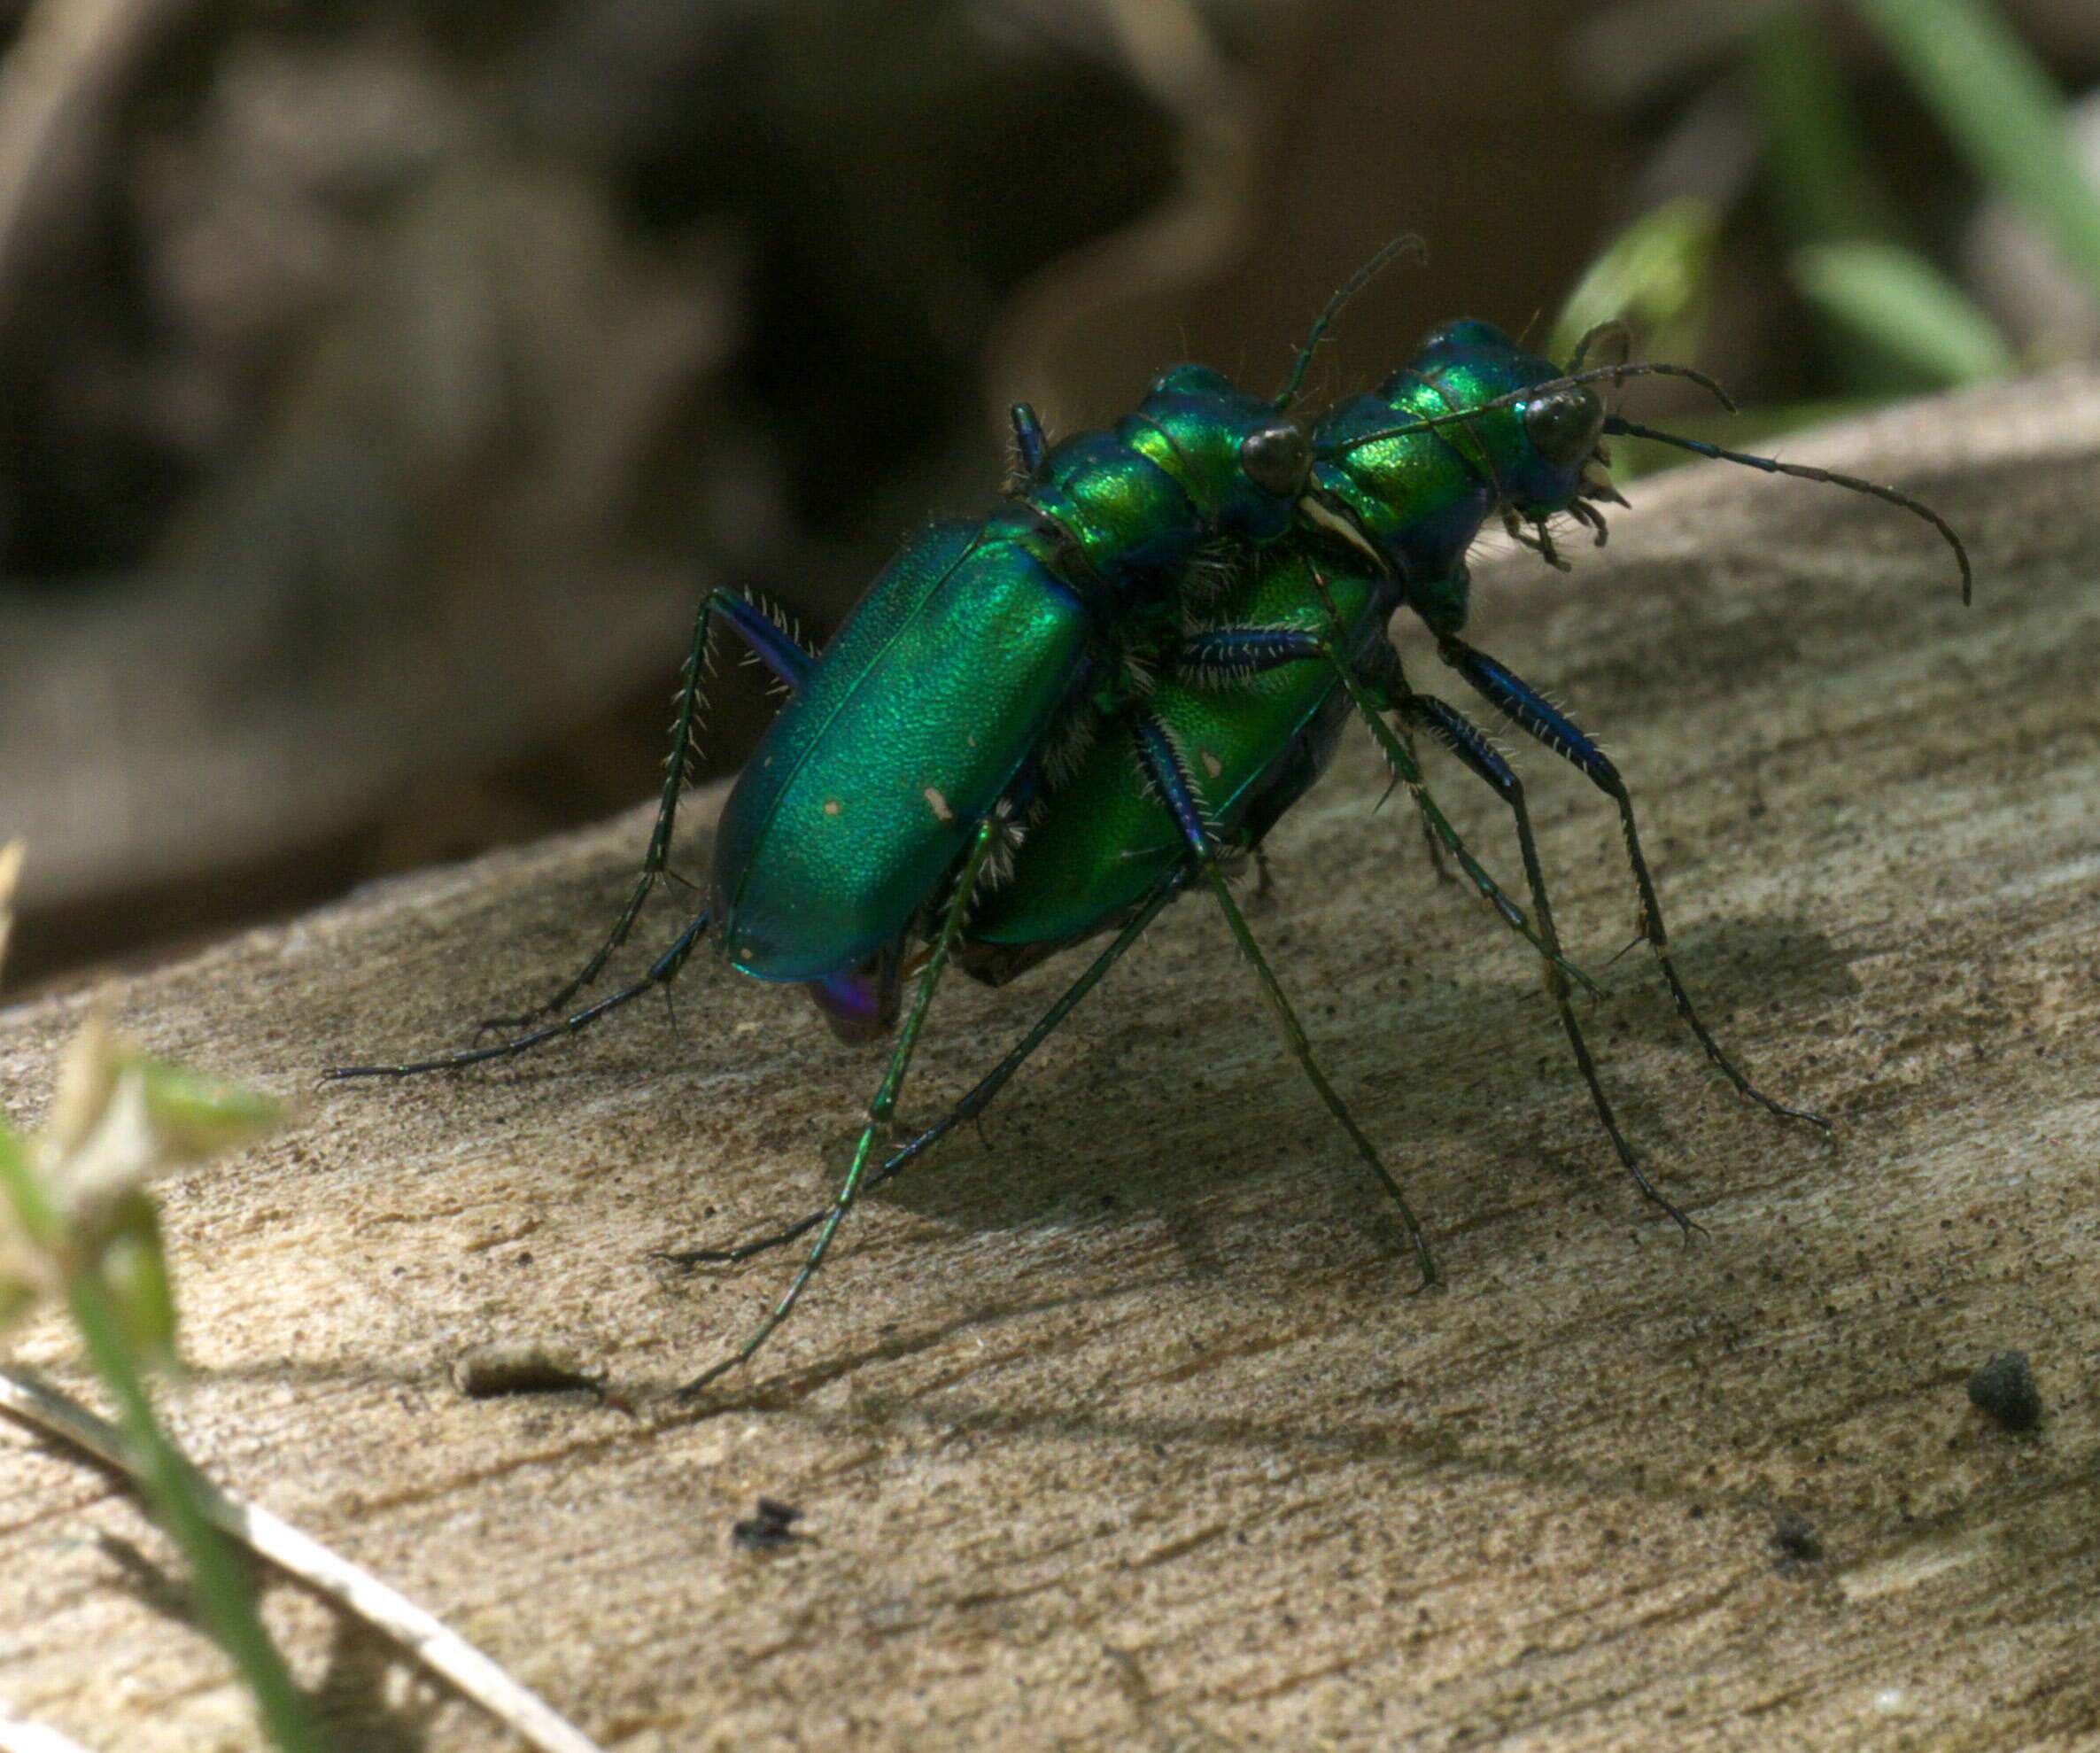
(1042, 726)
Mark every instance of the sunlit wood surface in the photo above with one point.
(1117, 1425)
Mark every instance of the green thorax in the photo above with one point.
(1421, 493)
(1136, 502)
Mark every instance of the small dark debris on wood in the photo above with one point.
(769, 1529)
(2004, 1389)
(1794, 1540)
(527, 1368)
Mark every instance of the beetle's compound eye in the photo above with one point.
(1277, 459)
(1564, 427)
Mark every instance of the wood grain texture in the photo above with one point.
(1116, 1426)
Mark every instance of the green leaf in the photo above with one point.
(135, 1274)
(1652, 276)
(195, 1117)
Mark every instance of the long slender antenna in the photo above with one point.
(1406, 243)
(1532, 392)
(1801, 471)
(1612, 329)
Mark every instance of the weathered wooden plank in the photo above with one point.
(1117, 1426)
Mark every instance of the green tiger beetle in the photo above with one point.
(1120, 795)
(1250, 706)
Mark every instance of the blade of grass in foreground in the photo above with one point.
(1995, 99)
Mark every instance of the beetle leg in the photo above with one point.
(1464, 739)
(1537, 717)
(972, 1105)
(1381, 666)
(879, 1110)
(1265, 882)
(662, 973)
(769, 637)
(1428, 831)
(1178, 791)
(788, 662)
(1030, 446)
(1371, 707)
(1221, 653)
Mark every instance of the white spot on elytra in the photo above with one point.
(1212, 764)
(938, 804)
(832, 806)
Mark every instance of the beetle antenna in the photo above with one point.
(1642, 369)
(1801, 471)
(1407, 243)
(1612, 329)
(1531, 391)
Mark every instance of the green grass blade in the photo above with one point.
(1995, 99)
(1817, 154)
(1897, 299)
(1652, 277)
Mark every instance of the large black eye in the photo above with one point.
(1277, 458)
(1564, 427)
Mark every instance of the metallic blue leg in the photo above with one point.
(1537, 716)
(1165, 768)
(1030, 445)
(1465, 739)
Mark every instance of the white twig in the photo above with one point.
(441, 1650)
(16, 1736)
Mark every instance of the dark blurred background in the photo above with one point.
(381, 383)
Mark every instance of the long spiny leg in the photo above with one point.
(971, 1105)
(1464, 739)
(1371, 705)
(1537, 716)
(789, 665)
(1435, 847)
(1177, 790)
(982, 846)
(662, 973)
